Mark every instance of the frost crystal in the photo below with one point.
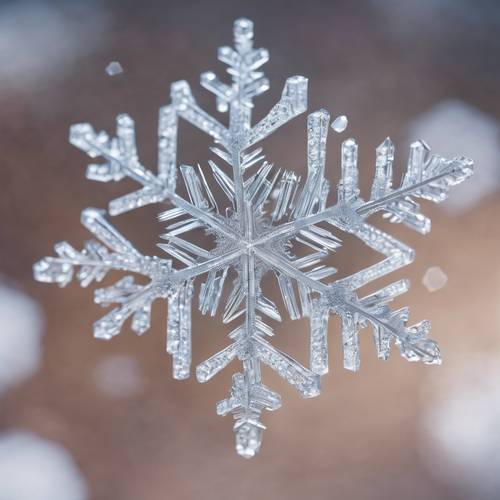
(114, 68)
(272, 222)
(340, 124)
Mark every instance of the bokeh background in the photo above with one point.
(86, 419)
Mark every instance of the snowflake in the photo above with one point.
(271, 222)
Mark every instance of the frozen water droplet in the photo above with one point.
(434, 279)
(340, 124)
(114, 68)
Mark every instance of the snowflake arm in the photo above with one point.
(111, 252)
(428, 177)
(114, 253)
(120, 153)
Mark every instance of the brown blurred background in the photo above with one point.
(393, 430)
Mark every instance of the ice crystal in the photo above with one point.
(114, 68)
(340, 124)
(269, 214)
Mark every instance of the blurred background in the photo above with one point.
(87, 419)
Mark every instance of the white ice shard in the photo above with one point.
(340, 124)
(114, 68)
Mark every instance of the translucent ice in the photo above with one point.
(340, 124)
(114, 68)
(257, 216)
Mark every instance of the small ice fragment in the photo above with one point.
(434, 279)
(340, 124)
(114, 68)
(274, 194)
